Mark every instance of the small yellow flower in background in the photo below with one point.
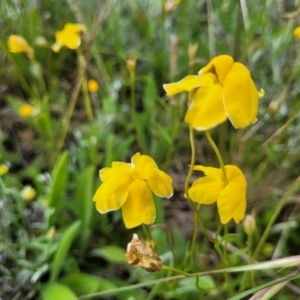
(230, 198)
(51, 233)
(28, 193)
(26, 110)
(296, 32)
(222, 89)
(93, 85)
(129, 185)
(141, 254)
(69, 37)
(17, 44)
(3, 169)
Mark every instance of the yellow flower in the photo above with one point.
(26, 110)
(3, 169)
(93, 85)
(230, 198)
(129, 185)
(222, 89)
(296, 32)
(17, 44)
(69, 37)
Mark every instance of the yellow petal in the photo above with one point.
(72, 40)
(220, 65)
(207, 110)
(160, 183)
(76, 28)
(240, 96)
(209, 171)
(17, 44)
(112, 193)
(296, 32)
(141, 163)
(206, 190)
(57, 46)
(139, 207)
(189, 83)
(116, 167)
(232, 200)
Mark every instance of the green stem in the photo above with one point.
(73, 100)
(133, 111)
(170, 239)
(186, 187)
(250, 240)
(167, 268)
(87, 100)
(274, 216)
(218, 154)
(147, 232)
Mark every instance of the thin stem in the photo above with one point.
(218, 154)
(186, 186)
(250, 261)
(274, 216)
(211, 29)
(147, 232)
(170, 239)
(87, 100)
(167, 268)
(73, 100)
(194, 239)
(133, 110)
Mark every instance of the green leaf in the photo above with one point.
(112, 254)
(63, 249)
(57, 291)
(84, 284)
(59, 177)
(85, 204)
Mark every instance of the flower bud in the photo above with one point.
(93, 85)
(28, 193)
(141, 254)
(3, 169)
(249, 224)
(131, 62)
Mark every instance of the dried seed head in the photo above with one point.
(141, 254)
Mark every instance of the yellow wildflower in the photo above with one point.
(51, 232)
(230, 198)
(129, 185)
(93, 85)
(141, 254)
(296, 32)
(222, 89)
(17, 44)
(26, 110)
(69, 37)
(3, 169)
